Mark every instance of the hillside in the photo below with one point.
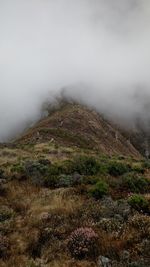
(74, 193)
(75, 125)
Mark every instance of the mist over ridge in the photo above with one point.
(96, 51)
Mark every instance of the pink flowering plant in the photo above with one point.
(83, 243)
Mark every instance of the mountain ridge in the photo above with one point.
(77, 125)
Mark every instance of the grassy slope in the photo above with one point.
(36, 241)
(75, 125)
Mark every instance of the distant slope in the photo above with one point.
(76, 125)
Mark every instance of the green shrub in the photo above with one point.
(36, 172)
(138, 203)
(64, 180)
(51, 181)
(54, 169)
(86, 165)
(18, 168)
(1, 174)
(91, 180)
(135, 183)
(5, 214)
(65, 167)
(35, 168)
(3, 186)
(146, 164)
(118, 168)
(44, 162)
(138, 169)
(99, 189)
(42, 172)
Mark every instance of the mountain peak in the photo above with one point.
(73, 124)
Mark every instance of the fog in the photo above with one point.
(96, 52)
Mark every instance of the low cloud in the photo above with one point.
(95, 51)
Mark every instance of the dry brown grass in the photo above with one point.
(28, 203)
(68, 208)
(57, 201)
(65, 207)
(10, 156)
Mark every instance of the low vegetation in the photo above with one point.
(136, 183)
(83, 243)
(116, 168)
(4, 247)
(73, 208)
(139, 203)
(99, 190)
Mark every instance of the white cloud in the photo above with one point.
(97, 49)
